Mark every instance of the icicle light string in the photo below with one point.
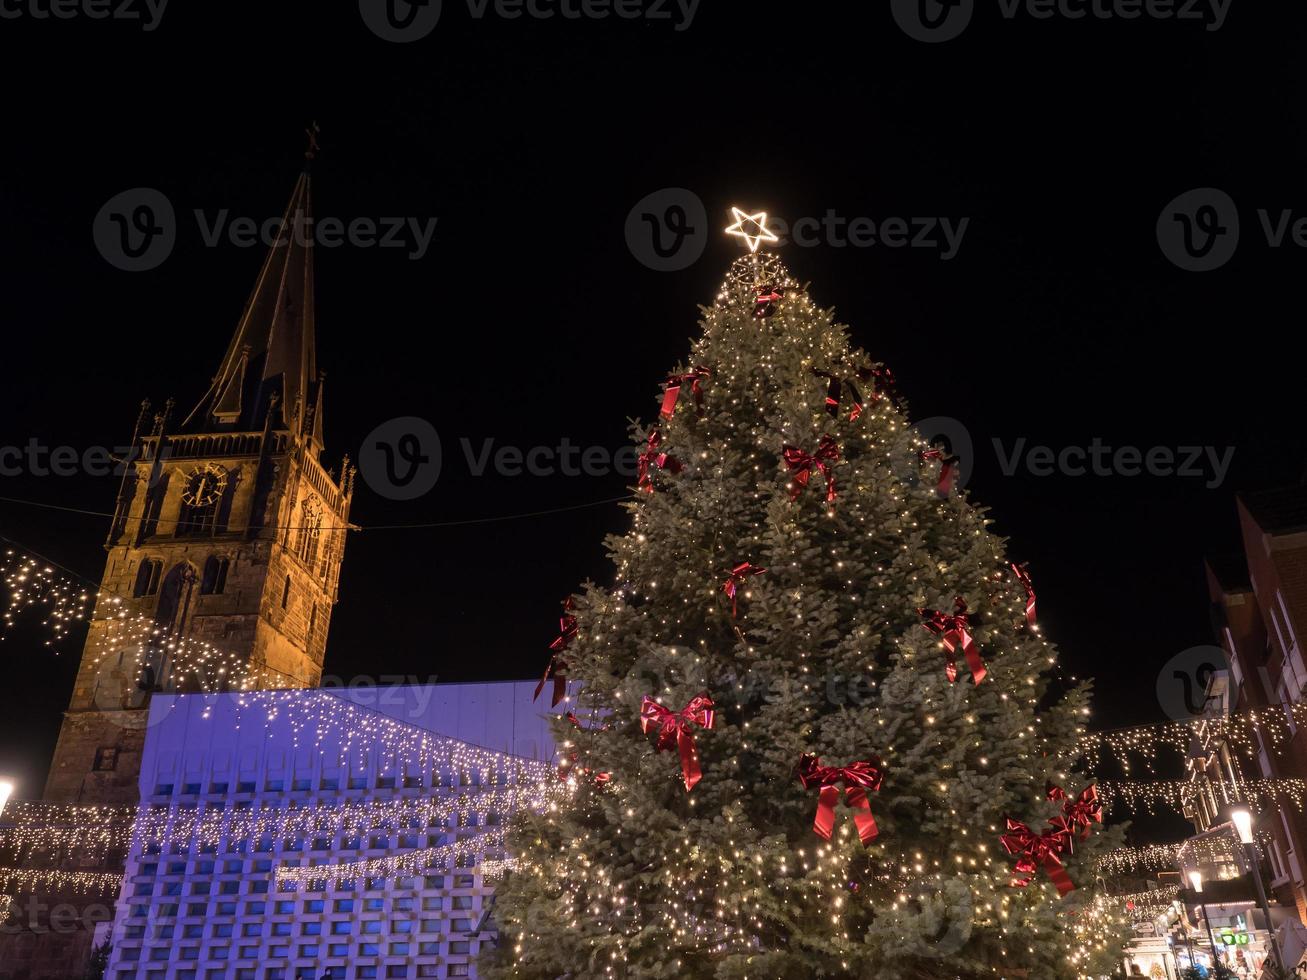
(1167, 857)
(395, 865)
(1271, 727)
(162, 825)
(316, 715)
(1178, 794)
(38, 880)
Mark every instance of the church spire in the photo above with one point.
(273, 348)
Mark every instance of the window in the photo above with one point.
(148, 577)
(214, 581)
(285, 593)
(310, 532)
(106, 759)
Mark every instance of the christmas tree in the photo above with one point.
(818, 732)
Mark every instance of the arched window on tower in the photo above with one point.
(147, 577)
(215, 575)
(310, 532)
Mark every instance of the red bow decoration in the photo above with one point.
(567, 626)
(802, 464)
(673, 727)
(947, 470)
(1080, 813)
(768, 296)
(673, 390)
(955, 631)
(652, 456)
(736, 576)
(1035, 850)
(836, 385)
(1022, 574)
(857, 779)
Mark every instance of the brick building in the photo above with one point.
(1259, 608)
(228, 535)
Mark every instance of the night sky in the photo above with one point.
(1059, 321)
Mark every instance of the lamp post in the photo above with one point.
(1243, 824)
(1196, 880)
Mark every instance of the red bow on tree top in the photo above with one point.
(673, 728)
(856, 779)
(1022, 574)
(764, 303)
(735, 578)
(1077, 814)
(1035, 850)
(955, 631)
(653, 456)
(802, 464)
(673, 390)
(567, 626)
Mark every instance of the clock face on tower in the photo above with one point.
(204, 485)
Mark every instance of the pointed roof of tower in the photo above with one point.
(273, 348)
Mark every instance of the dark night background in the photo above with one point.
(529, 320)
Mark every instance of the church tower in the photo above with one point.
(225, 548)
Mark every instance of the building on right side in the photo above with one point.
(1259, 614)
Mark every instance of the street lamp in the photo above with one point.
(1243, 824)
(6, 791)
(1196, 880)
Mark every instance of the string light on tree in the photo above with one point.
(635, 874)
